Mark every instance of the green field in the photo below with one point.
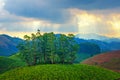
(60, 72)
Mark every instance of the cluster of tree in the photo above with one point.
(48, 48)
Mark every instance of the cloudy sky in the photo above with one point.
(19, 17)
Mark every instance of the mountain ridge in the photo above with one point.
(97, 37)
(8, 45)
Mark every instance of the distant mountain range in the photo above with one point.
(8, 45)
(97, 37)
(105, 43)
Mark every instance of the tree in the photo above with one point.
(34, 48)
(39, 41)
(73, 48)
(25, 51)
(63, 48)
(51, 47)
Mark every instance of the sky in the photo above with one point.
(20, 17)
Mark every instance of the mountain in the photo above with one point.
(8, 45)
(109, 60)
(105, 46)
(98, 37)
(91, 36)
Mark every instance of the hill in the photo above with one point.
(60, 72)
(110, 60)
(8, 45)
(8, 63)
(105, 46)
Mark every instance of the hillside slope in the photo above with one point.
(60, 72)
(8, 63)
(110, 60)
(8, 45)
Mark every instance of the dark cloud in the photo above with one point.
(42, 9)
(90, 4)
(52, 10)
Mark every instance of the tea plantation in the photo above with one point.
(60, 72)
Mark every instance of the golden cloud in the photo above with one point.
(101, 23)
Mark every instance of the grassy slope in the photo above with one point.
(17, 59)
(8, 63)
(60, 72)
(5, 64)
(110, 60)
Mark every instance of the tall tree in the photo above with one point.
(39, 41)
(63, 48)
(72, 48)
(51, 47)
(25, 51)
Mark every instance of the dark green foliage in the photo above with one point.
(48, 48)
(60, 72)
(5, 64)
(89, 48)
(8, 63)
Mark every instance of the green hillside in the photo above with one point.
(60, 72)
(17, 59)
(7, 63)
